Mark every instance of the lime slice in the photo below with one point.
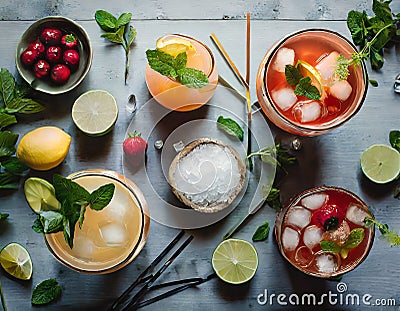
(309, 71)
(380, 163)
(15, 260)
(40, 195)
(174, 46)
(235, 261)
(95, 112)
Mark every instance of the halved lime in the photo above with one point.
(15, 260)
(40, 195)
(235, 261)
(309, 71)
(174, 46)
(95, 112)
(380, 163)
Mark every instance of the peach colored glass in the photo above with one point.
(310, 38)
(353, 260)
(128, 210)
(176, 96)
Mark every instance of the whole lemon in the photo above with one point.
(44, 148)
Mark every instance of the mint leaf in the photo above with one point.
(305, 88)
(115, 37)
(105, 20)
(231, 127)
(180, 61)
(356, 22)
(355, 238)
(4, 216)
(14, 166)
(9, 181)
(376, 58)
(7, 86)
(293, 75)
(68, 191)
(162, 63)
(382, 10)
(329, 246)
(394, 138)
(373, 83)
(131, 36)
(7, 143)
(38, 226)
(6, 119)
(261, 233)
(101, 197)
(52, 221)
(123, 19)
(192, 78)
(81, 216)
(46, 292)
(24, 106)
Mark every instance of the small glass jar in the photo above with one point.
(175, 96)
(298, 217)
(310, 39)
(111, 238)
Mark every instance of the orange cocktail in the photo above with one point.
(174, 95)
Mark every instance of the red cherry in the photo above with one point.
(37, 47)
(28, 57)
(53, 54)
(51, 36)
(60, 74)
(41, 69)
(71, 58)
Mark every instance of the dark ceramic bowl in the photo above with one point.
(85, 50)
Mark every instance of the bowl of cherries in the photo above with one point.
(54, 55)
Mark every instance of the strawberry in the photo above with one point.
(328, 217)
(135, 148)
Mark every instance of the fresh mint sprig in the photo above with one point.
(116, 31)
(13, 99)
(175, 68)
(356, 236)
(303, 86)
(381, 28)
(74, 201)
(275, 155)
(390, 236)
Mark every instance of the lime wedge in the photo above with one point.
(174, 46)
(40, 195)
(309, 71)
(235, 261)
(15, 260)
(95, 112)
(380, 163)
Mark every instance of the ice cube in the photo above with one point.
(283, 57)
(356, 214)
(83, 247)
(113, 234)
(314, 201)
(327, 66)
(341, 90)
(340, 235)
(299, 217)
(312, 236)
(326, 263)
(284, 98)
(290, 239)
(307, 111)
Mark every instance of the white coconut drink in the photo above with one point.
(207, 175)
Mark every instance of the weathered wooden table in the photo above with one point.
(332, 159)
